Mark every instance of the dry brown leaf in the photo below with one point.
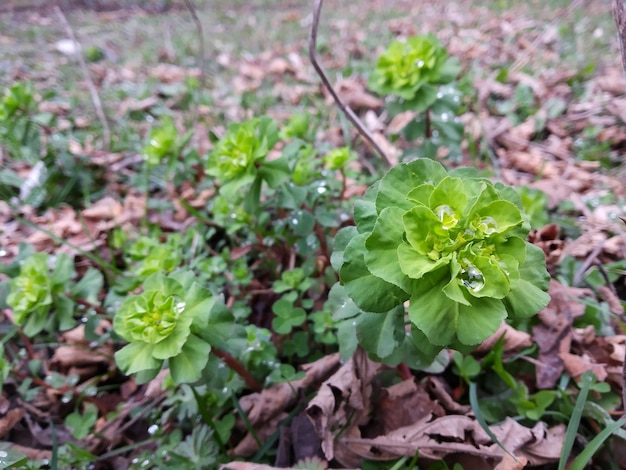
(438, 388)
(106, 208)
(400, 121)
(247, 466)
(403, 404)
(611, 298)
(508, 463)
(576, 365)
(343, 400)
(391, 151)
(535, 162)
(169, 73)
(554, 334)
(261, 407)
(612, 81)
(352, 92)
(9, 420)
(513, 339)
(462, 434)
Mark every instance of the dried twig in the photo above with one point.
(620, 21)
(201, 59)
(352, 117)
(95, 98)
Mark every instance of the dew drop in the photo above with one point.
(472, 277)
(321, 189)
(446, 216)
(294, 221)
(419, 63)
(3, 252)
(488, 225)
(152, 429)
(3, 454)
(439, 95)
(444, 117)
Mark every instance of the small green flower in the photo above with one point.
(165, 322)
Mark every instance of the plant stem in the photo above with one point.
(238, 367)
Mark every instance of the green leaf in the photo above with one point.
(198, 304)
(187, 366)
(443, 321)
(89, 286)
(403, 178)
(11, 458)
(369, 292)
(527, 294)
(381, 256)
(220, 326)
(135, 357)
(365, 213)
(64, 313)
(381, 333)
(275, 172)
(340, 304)
(63, 271)
(342, 239)
(81, 424)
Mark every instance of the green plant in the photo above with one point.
(239, 161)
(451, 244)
(167, 321)
(37, 295)
(411, 74)
(412, 70)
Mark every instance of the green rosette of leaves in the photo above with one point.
(166, 322)
(412, 70)
(239, 161)
(451, 244)
(37, 295)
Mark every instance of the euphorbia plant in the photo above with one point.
(240, 164)
(412, 70)
(168, 321)
(410, 75)
(37, 294)
(451, 244)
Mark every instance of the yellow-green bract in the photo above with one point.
(452, 244)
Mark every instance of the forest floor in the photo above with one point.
(103, 167)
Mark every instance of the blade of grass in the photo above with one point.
(590, 449)
(572, 428)
(247, 422)
(473, 397)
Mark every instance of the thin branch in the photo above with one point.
(201, 58)
(619, 15)
(95, 98)
(352, 117)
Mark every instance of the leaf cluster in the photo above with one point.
(451, 244)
